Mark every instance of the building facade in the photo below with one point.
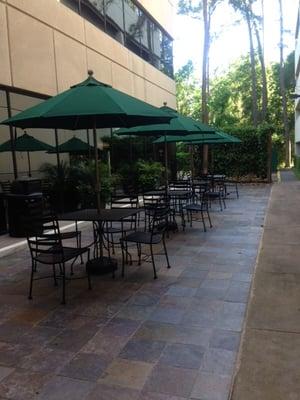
(297, 88)
(48, 45)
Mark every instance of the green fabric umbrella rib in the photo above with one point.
(205, 138)
(179, 125)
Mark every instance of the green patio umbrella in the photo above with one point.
(179, 126)
(27, 144)
(218, 137)
(73, 145)
(89, 105)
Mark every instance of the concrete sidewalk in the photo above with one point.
(270, 353)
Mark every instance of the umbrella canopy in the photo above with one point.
(74, 145)
(179, 125)
(89, 104)
(206, 138)
(26, 143)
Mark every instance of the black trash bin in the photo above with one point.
(21, 210)
(24, 204)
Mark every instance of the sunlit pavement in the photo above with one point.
(173, 338)
(270, 355)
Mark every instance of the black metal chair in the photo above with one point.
(216, 191)
(156, 235)
(198, 206)
(112, 231)
(49, 215)
(46, 248)
(180, 195)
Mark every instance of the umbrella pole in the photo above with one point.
(56, 148)
(11, 133)
(97, 169)
(192, 162)
(166, 162)
(29, 165)
(88, 142)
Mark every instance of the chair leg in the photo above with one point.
(54, 274)
(166, 253)
(203, 221)
(112, 244)
(153, 262)
(139, 250)
(123, 258)
(224, 202)
(220, 202)
(78, 239)
(63, 301)
(208, 215)
(33, 268)
(88, 272)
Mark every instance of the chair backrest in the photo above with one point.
(6, 186)
(181, 185)
(124, 201)
(46, 238)
(154, 198)
(159, 222)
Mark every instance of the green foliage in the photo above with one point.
(188, 91)
(63, 192)
(149, 174)
(249, 158)
(71, 185)
(275, 102)
(183, 158)
(230, 97)
(142, 175)
(128, 150)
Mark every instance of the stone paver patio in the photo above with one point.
(174, 338)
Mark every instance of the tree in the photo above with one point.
(260, 51)
(283, 91)
(188, 93)
(202, 10)
(245, 8)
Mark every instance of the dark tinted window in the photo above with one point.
(131, 26)
(92, 11)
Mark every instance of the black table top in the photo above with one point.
(105, 215)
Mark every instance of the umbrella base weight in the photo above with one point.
(102, 266)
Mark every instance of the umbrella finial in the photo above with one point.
(90, 73)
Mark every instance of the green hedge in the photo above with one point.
(250, 157)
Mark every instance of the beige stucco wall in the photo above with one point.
(45, 47)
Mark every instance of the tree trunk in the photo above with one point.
(264, 108)
(204, 110)
(253, 71)
(283, 93)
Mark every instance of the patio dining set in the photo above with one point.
(129, 224)
(133, 220)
